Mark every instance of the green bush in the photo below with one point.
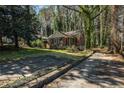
(69, 49)
(73, 48)
(37, 43)
(33, 44)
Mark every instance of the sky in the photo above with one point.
(38, 8)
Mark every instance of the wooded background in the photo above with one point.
(102, 26)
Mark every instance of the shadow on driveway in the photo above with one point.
(92, 73)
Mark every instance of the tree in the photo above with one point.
(115, 46)
(4, 22)
(88, 13)
(101, 28)
(18, 22)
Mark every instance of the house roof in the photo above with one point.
(66, 34)
(72, 33)
(57, 35)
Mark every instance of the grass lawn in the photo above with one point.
(32, 52)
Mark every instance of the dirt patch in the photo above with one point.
(109, 57)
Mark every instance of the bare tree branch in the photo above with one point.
(72, 9)
(94, 9)
(84, 10)
(99, 13)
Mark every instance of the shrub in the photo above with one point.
(69, 49)
(33, 44)
(73, 48)
(37, 43)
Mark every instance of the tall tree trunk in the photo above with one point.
(28, 22)
(88, 31)
(101, 28)
(13, 27)
(106, 23)
(113, 35)
(1, 42)
(16, 39)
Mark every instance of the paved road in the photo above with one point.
(97, 71)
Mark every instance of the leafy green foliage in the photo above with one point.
(19, 21)
(37, 43)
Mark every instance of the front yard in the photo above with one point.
(33, 52)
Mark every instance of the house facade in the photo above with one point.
(60, 40)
